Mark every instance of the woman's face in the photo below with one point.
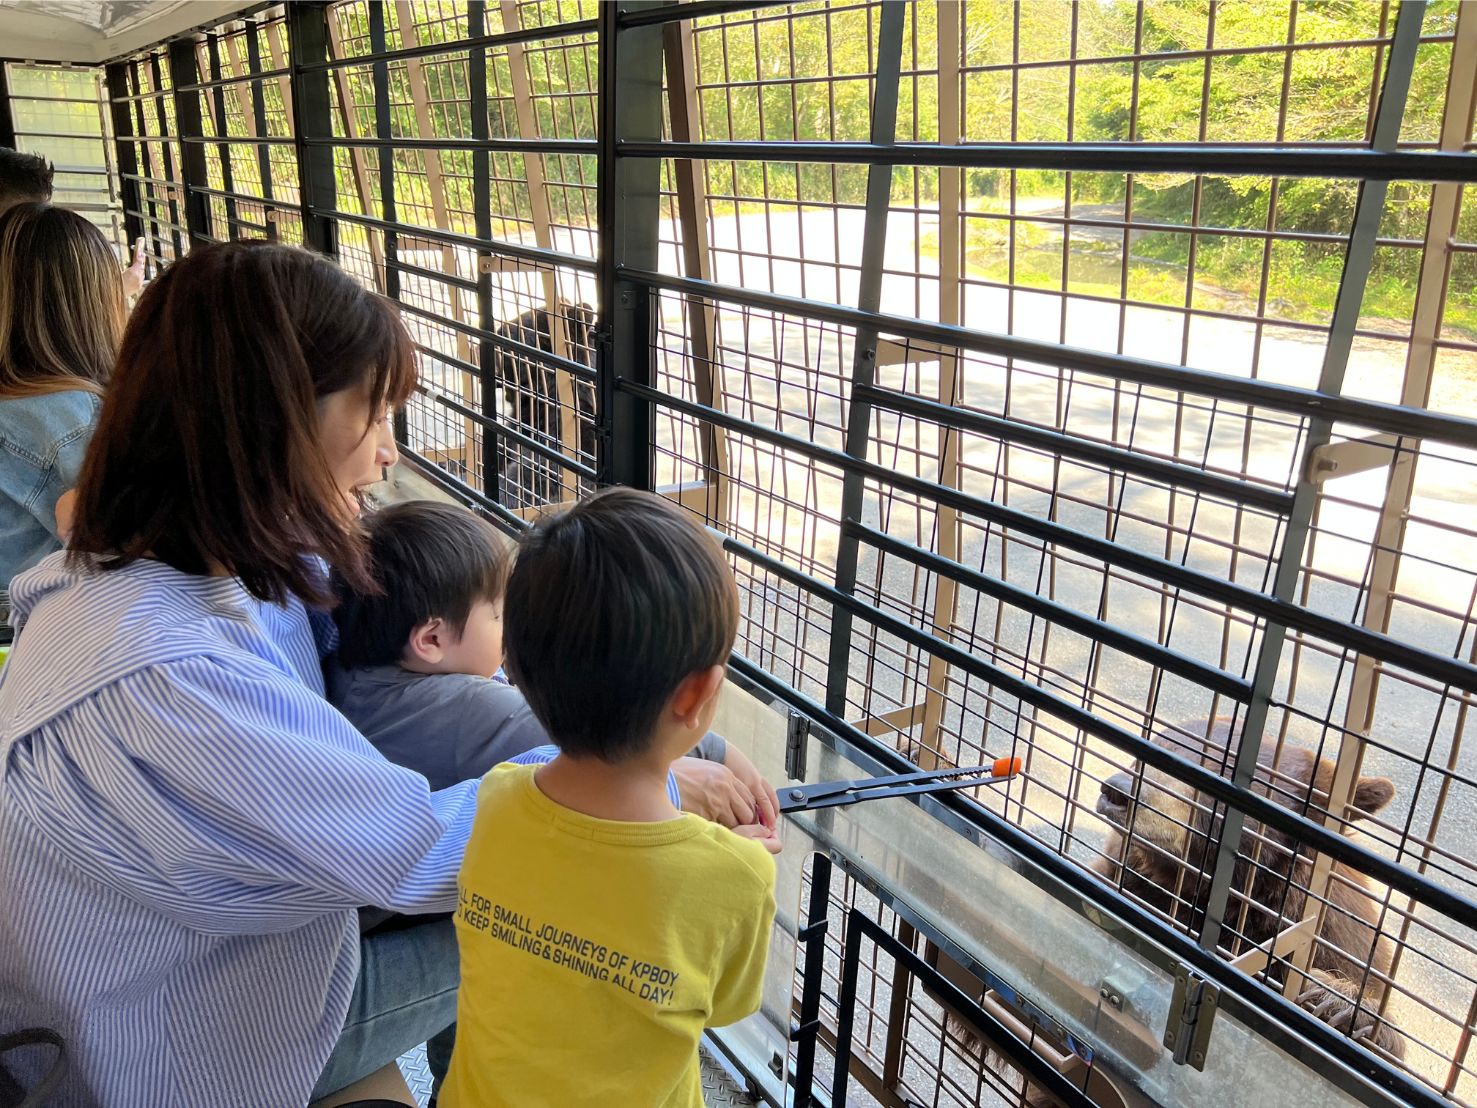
(358, 444)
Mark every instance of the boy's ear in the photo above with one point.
(694, 692)
(428, 642)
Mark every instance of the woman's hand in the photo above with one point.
(712, 790)
(766, 800)
(133, 276)
(66, 515)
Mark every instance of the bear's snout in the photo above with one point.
(1115, 796)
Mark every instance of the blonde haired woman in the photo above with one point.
(62, 312)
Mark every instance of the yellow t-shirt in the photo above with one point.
(595, 952)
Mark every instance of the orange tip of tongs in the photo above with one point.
(1006, 767)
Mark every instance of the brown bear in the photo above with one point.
(1161, 849)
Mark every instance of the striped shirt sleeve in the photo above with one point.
(241, 801)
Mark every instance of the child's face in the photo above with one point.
(480, 649)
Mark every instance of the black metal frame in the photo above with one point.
(630, 150)
(7, 117)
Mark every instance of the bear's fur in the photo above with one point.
(531, 394)
(1161, 849)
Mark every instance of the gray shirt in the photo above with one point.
(449, 727)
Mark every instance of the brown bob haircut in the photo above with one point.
(207, 451)
(612, 604)
(430, 561)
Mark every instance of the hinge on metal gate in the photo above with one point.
(1191, 1014)
(796, 732)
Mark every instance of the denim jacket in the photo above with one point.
(43, 440)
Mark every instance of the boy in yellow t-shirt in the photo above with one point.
(600, 929)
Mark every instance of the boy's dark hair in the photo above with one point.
(432, 561)
(23, 178)
(207, 453)
(611, 605)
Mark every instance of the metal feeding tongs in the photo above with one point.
(830, 794)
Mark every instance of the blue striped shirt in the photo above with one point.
(186, 828)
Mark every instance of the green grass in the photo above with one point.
(1302, 283)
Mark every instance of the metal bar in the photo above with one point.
(1136, 646)
(157, 182)
(349, 115)
(136, 113)
(432, 472)
(435, 181)
(1074, 446)
(257, 117)
(83, 170)
(950, 255)
(486, 42)
(212, 45)
(224, 82)
(248, 199)
(380, 79)
(158, 221)
(1209, 159)
(1267, 1013)
(55, 134)
(1437, 667)
(851, 959)
(7, 116)
(629, 222)
(513, 346)
(565, 413)
(806, 1031)
(454, 280)
(496, 246)
(694, 9)
(482, 226)
(167, 157)
(1368, 211)
(512, 146)
(1392, 418)
(307, 36)
(236, 140)
(188, 124)
(126, 153)
(31, 98)
(707, 369)
(864, 349)
(503, 430)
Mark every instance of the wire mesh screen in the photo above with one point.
(1054, 527)
(1118, 413)
(60, 112)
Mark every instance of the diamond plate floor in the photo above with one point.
(719, 1091)
(417, 1076)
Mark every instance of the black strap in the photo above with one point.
(12, 1095)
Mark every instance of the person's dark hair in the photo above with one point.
(207, 451)
(23, 178)
(61, 302)
(611, 605)
(429, 561)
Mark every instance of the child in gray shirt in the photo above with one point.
(418, 669)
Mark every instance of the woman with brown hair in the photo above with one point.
(186, 826)
(61, 317)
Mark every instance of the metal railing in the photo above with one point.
(995, 477)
